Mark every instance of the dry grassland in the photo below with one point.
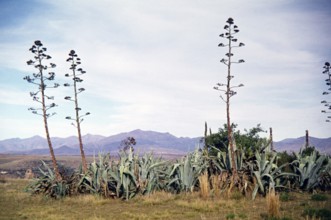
(17, 204)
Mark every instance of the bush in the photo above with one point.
(286, 196)
(242, 216)
(319, 197)
(323, 214)
(230, 216)
(275, 218)
(48, 185)
(285, 158)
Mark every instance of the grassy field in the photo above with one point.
(17, 204)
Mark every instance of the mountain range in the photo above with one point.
(159, 143)
(147, 141)
(323, 145)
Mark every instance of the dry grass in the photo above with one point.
(16, 204)
(156, 198)
(273, 203)
(215, 185)
(204, 185)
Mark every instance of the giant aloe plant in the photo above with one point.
(125, 178)
(184, 174)
(123, 174)
(48, 185)
(96, 179)
(325, 176)
(222, 160)
(310, 169)
(150, 173)
(266, 172)
(108, 178)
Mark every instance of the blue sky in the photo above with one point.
(153, 64)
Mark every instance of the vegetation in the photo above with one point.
(319, 197)
(131, 175)
(76, 72)
(323, 214)
(16, 204)
(248, 142)
(230, 31)
(48, 185)
(311, 169)
(232, 166)
(40, 79)
(273, 203)
(326, 103)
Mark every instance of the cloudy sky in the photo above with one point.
(152, 64)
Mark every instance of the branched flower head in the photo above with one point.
(75, 61)
(40, 77)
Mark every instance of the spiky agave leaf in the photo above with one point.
(266, 172)
(48, 185)
(309, 169)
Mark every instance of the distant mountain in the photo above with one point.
(17, 144)
(159, 143)
(38, 144)
(323, 145)
(63, 150)
(150, 140)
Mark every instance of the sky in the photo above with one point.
(152, 65)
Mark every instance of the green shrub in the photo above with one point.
(309, 212)
(319, 197)
(242, 216)
(285, 218)
(230, 216)
(284, 197)
(48, 185)
(323, 214)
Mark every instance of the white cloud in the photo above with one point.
(152, 64)
(13, 97)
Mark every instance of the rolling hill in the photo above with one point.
(159, 143)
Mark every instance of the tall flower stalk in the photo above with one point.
(40, 79)
(75, 61)
(228, 89)
(327, 68)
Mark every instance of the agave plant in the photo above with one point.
(266, 172)
(151, 174)
(222, 160)
(184, 173)
(108, 178)
(96, 179)
(123, 175)
(325, 176)
(125, 178)
(310, 169)
(48, 185)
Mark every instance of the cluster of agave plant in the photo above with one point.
(131, 174)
